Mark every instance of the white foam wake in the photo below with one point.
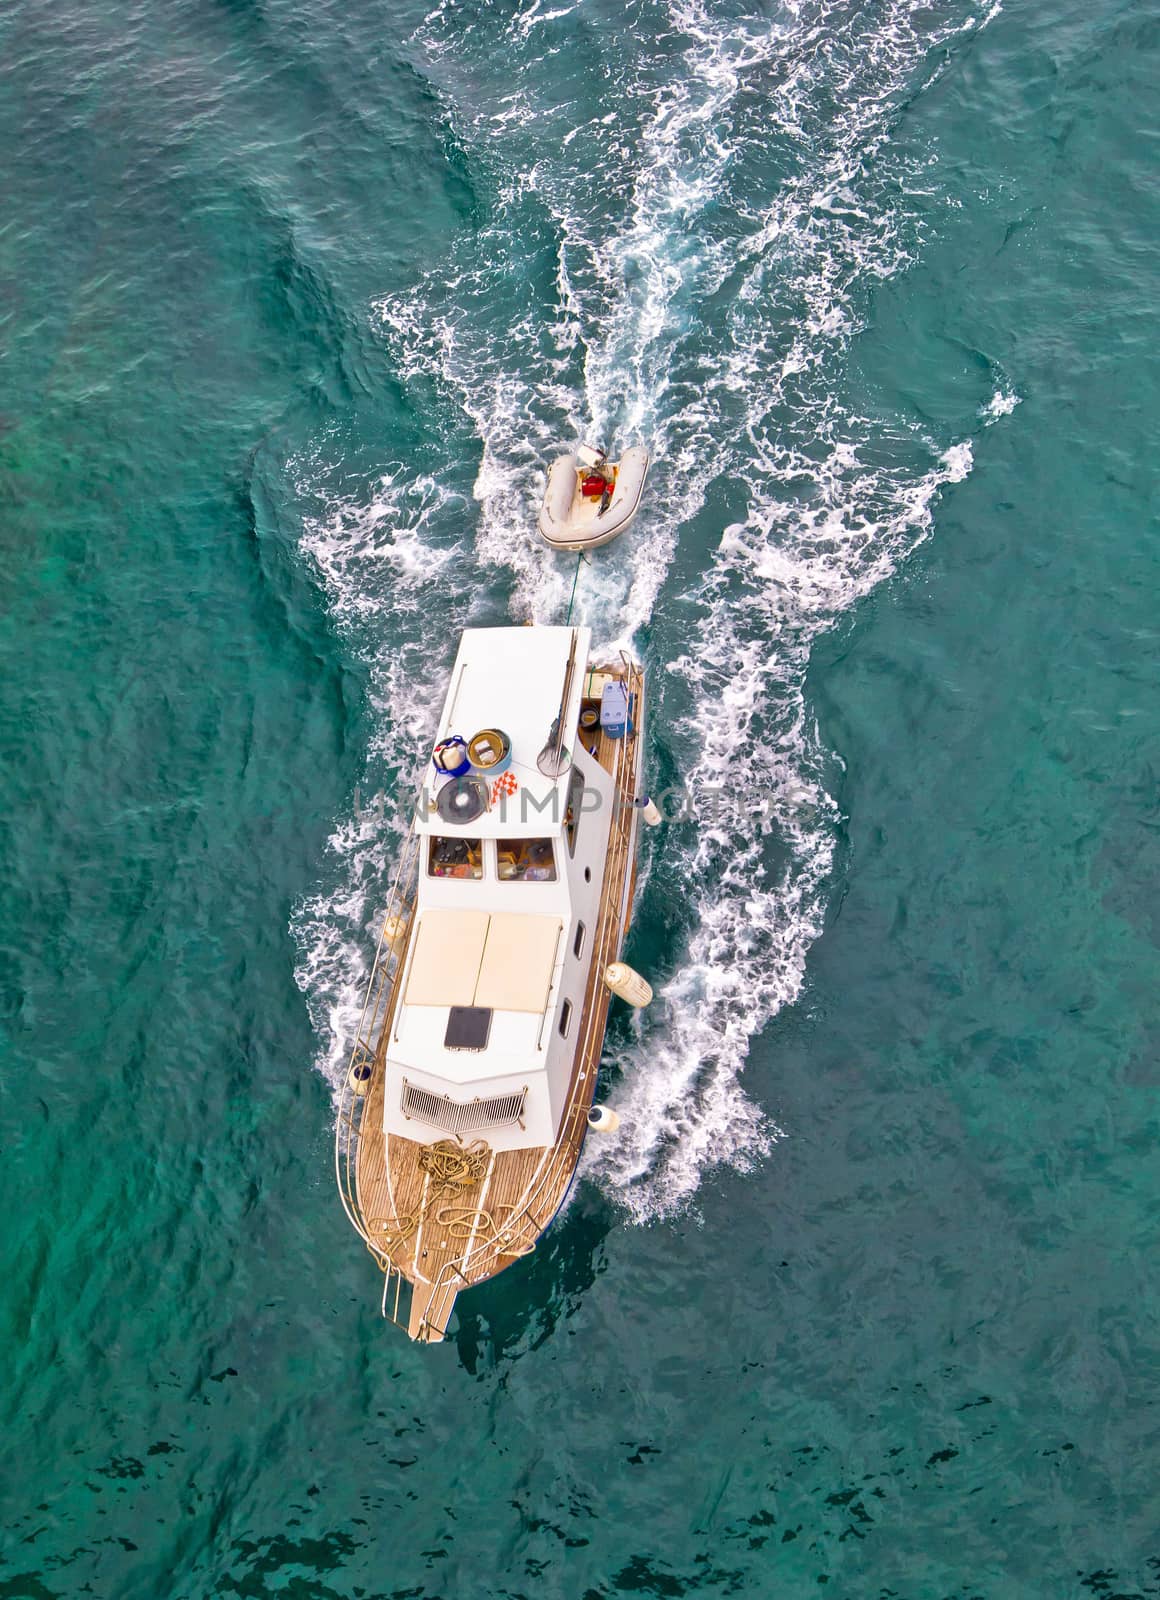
(617, 225)
(772, 590)
(1000, 405)
(377, 556)
(688, 264)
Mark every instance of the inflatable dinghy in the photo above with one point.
(589, 499)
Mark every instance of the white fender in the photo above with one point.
(651, 812)
(395, 929)
(603, 1119)
(626, 983)
(359, 1078)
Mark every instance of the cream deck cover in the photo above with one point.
(503, 960)
(448, 953)
(518, 959)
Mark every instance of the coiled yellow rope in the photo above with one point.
(451, 1166)
(455, 1166)
(463, 1221)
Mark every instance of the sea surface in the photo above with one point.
(297, 299)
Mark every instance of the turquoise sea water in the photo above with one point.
(295, 301)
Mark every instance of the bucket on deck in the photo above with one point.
(490, 752)
(450, 756)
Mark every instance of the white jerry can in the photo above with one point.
(626, 983)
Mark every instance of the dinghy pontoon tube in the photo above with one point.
(572, 520)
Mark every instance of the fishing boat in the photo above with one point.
(471, 1082)
(589, 500)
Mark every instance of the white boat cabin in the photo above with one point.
(496, 963)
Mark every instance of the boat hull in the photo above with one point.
(437, 1232)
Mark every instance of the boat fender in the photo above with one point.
(626, 983)
(359, 1078)
(603, 1119)
(650, 811)
(395, 929)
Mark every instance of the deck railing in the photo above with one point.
(367, 1053)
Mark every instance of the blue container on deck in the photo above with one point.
(614, 710)
(450, 757)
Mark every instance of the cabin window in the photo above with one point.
(574, 809)
(565, 1018)
(526, 860)
(455, 858)
(578, 941)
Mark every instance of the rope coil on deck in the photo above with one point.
(462, 1222)
(455, 1166)
(451, 1166)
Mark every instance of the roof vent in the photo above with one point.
(453, 1116)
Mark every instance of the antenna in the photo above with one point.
(554, 759)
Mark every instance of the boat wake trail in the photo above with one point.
(378, 557)
(688, 262)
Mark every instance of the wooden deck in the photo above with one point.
(442, 1234)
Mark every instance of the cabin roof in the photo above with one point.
(499, 963)
(511, 679)
(501, 960)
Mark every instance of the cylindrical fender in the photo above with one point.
(603, 1119)
(626, 983)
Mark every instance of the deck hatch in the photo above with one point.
(457, 1116)
(468, 1028)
